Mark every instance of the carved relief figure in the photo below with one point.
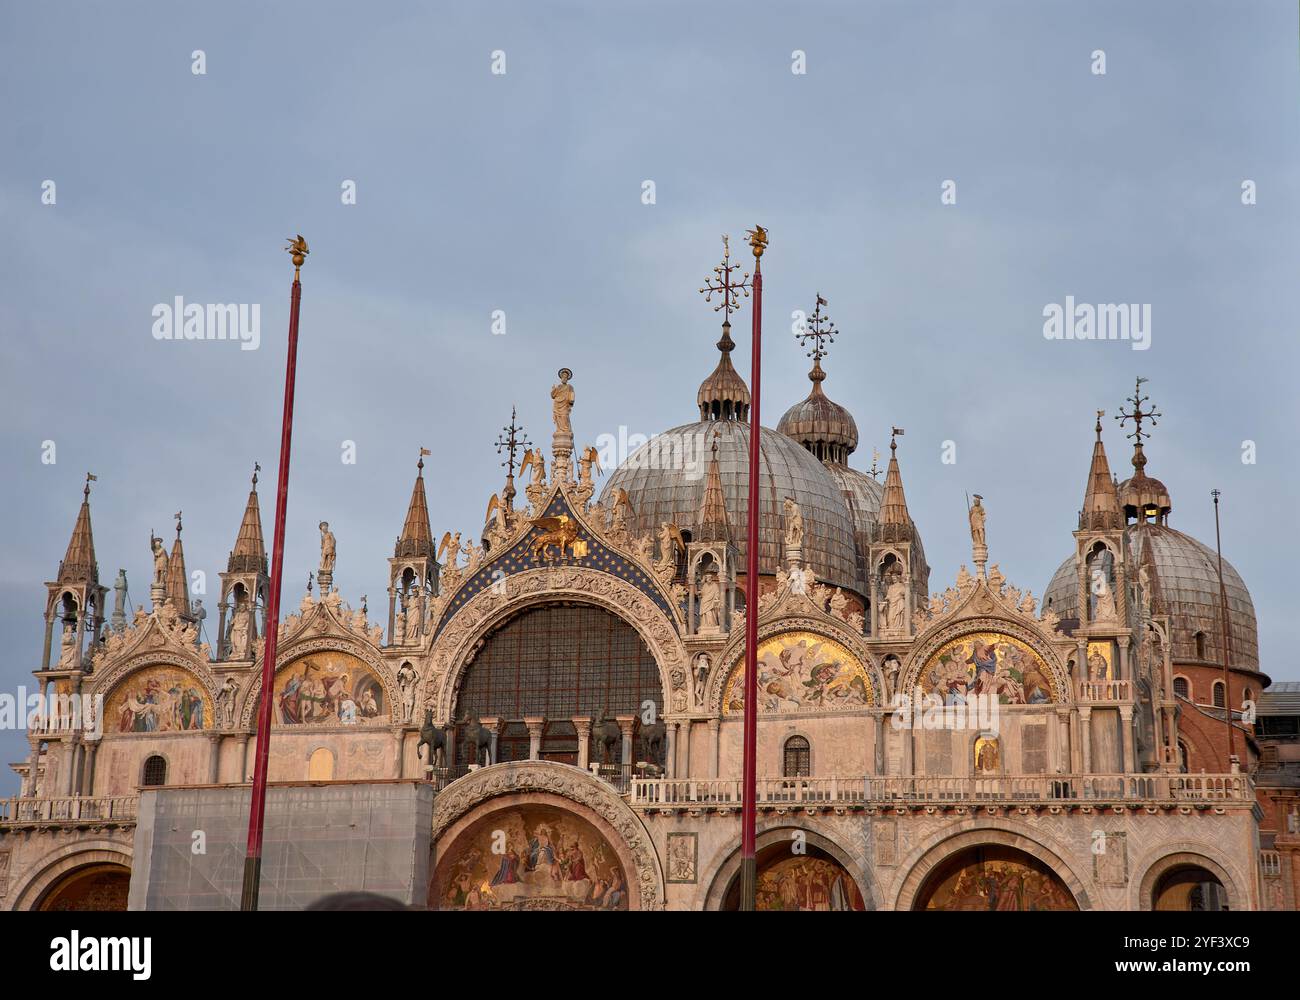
(702, 664)
(711, 603)
(226, 702)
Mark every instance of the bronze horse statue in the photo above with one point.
(479, 737)
(436, 739)
(605, 733)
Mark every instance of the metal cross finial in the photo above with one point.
(1138, 415)
(512, 439)
(726, 286)
(819, 329)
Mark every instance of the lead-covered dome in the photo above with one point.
(820, 424)
(664, 480)
(1185, 586)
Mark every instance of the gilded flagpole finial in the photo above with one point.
(297, 248)
(758, 240)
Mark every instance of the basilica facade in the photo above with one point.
(569, 682)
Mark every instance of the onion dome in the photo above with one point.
(724, 394)
(820, 424)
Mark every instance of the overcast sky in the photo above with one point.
(522, 192)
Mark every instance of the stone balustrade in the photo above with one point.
(1103, 691)
(899, 790)
(72, 809)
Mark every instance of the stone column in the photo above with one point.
(670, 757)
(625, 724)
(685, 750)
(1059, 735)
(214, 758)
(1085, 730)
(1122, 668)
(1126, 724)
(715, 727)
(242, 756)
(582, 723)
(49, 639)
(88, 768)
(70, 748)
(535, 724)
(399, 748)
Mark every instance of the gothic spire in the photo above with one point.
(79, 564)
(178, 590)
(713, 525)
(1101, 508)
(249, 553)
(417, 538)
(895, 520)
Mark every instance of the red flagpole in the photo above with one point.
(749, 792)
(257, 810)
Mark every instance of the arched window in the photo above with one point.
(1200, 645)
(555, 662)
(155, 771)
(1220, 695)
(798, 758)
(1181, 690)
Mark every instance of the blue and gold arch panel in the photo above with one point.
(568, 544)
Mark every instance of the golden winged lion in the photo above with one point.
(559, 532)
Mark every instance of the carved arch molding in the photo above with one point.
(562, 781)
(518, 592)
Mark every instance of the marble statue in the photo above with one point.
(896, 602)
(562, 397)
(160, 561)
(793, 525)
(701, 678)
(239, 632)
(1100, 587)
(326, 548)
(406, 681)
(226, 702)
(977, 515)
(711, 603)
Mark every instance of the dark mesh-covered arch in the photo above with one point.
(557, 661)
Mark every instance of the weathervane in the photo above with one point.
(820, 330)
(512, 439)
(728, 288)
(1138, 414)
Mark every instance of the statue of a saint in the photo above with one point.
(701, 677)
(793, 525)
(406, 680)
(562, 403)
(711, 603)
(239, 632)
(977, 514)
(226, 702)
(326, 548)
(1100, 589)
(896, 602)
(160, 560)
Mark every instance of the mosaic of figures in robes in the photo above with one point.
(1101, 659)
(533, 857)
(988, 663)
(158, 700)
(801, 672)
(804, 883)
(328, 688)
(1000, 883)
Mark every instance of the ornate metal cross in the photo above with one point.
(819, 329)
(1138, 414)
(728, 288)
(512, 439)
